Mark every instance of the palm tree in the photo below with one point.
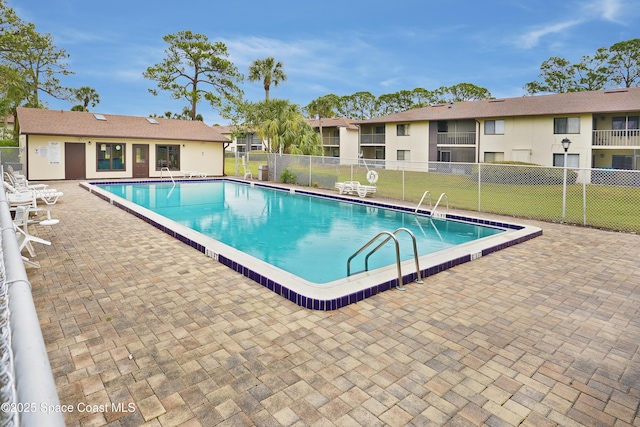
(86, 95)
(321, 107)
(269, 71)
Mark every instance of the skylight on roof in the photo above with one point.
(497, 100)
(100, 117)
(624, 89)
(152, 121)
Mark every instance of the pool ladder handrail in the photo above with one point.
(397, 244)
(425, 194)
(433, 211)
(169, 172)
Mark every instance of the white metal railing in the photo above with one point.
(330, 140)
(426, 193)
(438, 215)
(620, 138)
(169, 172)
(372, 138)
(35, 395)
(456, 138)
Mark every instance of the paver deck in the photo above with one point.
(543, 333)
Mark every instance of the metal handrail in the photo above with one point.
(422, 200)
(169, 172)
(35, 387)
(397, 243)
(438, 202)
(391, 236)
(415, 252)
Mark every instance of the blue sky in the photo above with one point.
(339, 47)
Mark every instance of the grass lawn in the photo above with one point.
(607, 207)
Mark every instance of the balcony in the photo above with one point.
(616, 138)
(331, 141)
(456, 138)
(372, 138)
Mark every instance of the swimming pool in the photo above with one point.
(296, 243)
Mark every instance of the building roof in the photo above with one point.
(33, 121)
(339, 122)
(599, 102)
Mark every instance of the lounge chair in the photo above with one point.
(347, 187)
(355, 188)
(191, 174)
(19, 182)
(48, 195)
(365, 190)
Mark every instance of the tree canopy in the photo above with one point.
(269, 71)
(618, 65)
(86, 95)
(281, 124)
(30, 62)
(364, 105)
(193, 63)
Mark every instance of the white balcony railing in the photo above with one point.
(620, 138)
(372, 138)
(331, 140)
(456, 138)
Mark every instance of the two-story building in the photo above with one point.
(603, 127)
(339, 138)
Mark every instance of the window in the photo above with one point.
(379, 129)
(493, 157)
(494, 127)
(404, 155)
(622, 162)
(573, 160)
(566, 125)
(110, 156)
(625, 123)
(168, 156)
(402, 130)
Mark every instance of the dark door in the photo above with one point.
(140, 160)
(75, 166)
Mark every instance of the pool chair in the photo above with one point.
(19, 181)
(348, 187)
(21, 221)
(16, 195)
(246, 170)
(366, 190)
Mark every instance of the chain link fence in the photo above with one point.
(600, 198)
(11, 156)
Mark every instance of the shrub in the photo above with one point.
(287, 177)
(522, 173)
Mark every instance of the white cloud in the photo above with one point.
(609, 10)
(532, 38)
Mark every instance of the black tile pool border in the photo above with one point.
(282, 289)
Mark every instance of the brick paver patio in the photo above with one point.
(543, 333)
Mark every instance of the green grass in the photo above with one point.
(614, 208)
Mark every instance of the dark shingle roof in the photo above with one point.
(604, 101)
(35, 121)
(328, 122)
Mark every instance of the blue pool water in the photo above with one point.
(311, 237)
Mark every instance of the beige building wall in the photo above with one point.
(46, 157)
(417, 142)
(348, 143)
(531, 139)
